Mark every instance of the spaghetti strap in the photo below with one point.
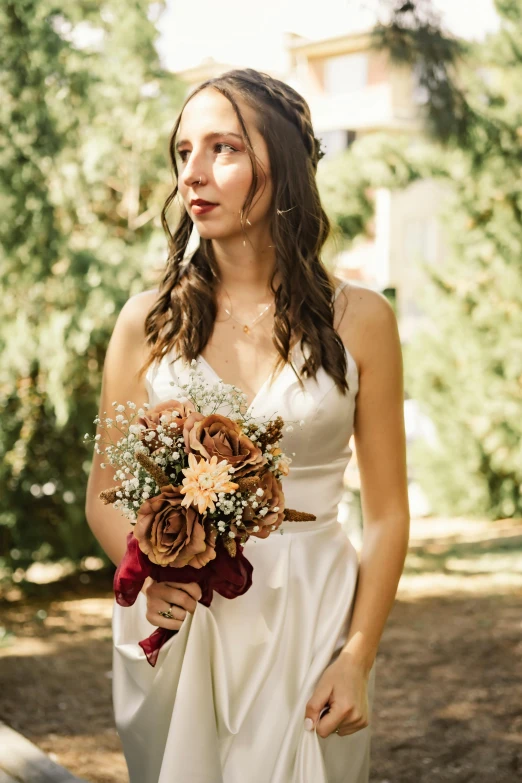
(339, 288)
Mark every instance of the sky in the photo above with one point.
(251, 34)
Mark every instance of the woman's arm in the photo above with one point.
(380, 443)
(125, 355)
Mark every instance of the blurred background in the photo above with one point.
(419, 107)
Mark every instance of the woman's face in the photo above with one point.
(210, 149)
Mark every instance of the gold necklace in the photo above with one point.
(246, 327)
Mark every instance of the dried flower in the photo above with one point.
(109, 495)
(170, 534)
(218, 435)
(271, 510)
(274, 430)
(283, 463)
(204, 479)
(298, 516)
(248, 483)
(180, 435)
(171, 415)
(159, 475)
(230, 546)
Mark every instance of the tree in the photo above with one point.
(85, 114)
(465, 366)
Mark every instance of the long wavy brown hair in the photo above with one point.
(182, 318)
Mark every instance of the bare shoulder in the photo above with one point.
(128, 341)
(365, 321)
(136, 309)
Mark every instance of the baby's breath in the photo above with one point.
(123, 437)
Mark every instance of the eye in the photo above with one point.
(222, 144)
(183, 153)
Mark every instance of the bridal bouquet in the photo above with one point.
(195, 485)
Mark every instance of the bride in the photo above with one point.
(276, 685)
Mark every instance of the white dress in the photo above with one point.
(226, 700)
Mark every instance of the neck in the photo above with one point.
(245, 270)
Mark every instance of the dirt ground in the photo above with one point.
(448, 704)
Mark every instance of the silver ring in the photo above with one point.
(337, 731)
(168, 614)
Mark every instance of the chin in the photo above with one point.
(215, 232)
(205, 232)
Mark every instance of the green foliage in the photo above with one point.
(347, 181)
(466, 368)
(413, 37)
(84, 173)
(465, 365)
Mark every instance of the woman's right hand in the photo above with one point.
(180, 598)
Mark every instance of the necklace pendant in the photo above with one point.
(246, 329)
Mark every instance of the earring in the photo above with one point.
(249, 223)
(247, 220)
(192, 245)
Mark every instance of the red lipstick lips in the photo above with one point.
(200, 206)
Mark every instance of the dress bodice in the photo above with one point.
(319, 447)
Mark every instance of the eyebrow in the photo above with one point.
(212, 135)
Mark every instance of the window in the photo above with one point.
(345, 73)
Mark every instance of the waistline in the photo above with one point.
(309, 526)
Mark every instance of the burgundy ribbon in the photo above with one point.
(229, 576)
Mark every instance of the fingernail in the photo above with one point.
(309, 724)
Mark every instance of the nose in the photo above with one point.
(193, 173)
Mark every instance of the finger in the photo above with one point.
(198, 591)
(357, 726)
(346, 732)
(192, 588)
(175, 595)
(348, 726)
(319, 701)
(330, 721)
(155, 618)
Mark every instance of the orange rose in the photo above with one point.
(218, 435)
(171, 534)
(176, 413)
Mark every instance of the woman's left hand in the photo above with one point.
(343, 687)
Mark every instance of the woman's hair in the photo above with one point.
(185, 310)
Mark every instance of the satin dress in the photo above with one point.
(226, 700)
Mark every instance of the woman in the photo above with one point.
(275, 686)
